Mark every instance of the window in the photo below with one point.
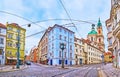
(75, 45)
(60, 29)
(0, 31)
(70, 47)
(99, 40)
(99, 31)
(65, 38)
(75, 40)
(1, 40)
(91, 38)
(1, 50)
(109, 28)
(10, 36)
(18, 30)
(65, 31)
(52, 46)
(9, 44)
(70, 39)
(10, 28)
(70, 55)
(52, 31)
(76, 50)
(52, 37)
(60, 37)
(110, 41)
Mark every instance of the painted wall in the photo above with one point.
(54, 51)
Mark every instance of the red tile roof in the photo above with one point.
(2, 26)
(15, 24)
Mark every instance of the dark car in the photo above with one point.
(28, 62)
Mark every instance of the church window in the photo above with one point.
(99, 31)
(99, 40)
(91, 38)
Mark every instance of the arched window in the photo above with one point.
(99, 31)
(99, 40)
(91, 38)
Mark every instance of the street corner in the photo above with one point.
(12, 68)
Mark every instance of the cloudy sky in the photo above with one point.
(39, 10)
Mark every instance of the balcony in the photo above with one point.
(116, 31)
(110, 48)
(109, 34)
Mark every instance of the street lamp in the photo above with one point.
(18, 47)
(62, 47)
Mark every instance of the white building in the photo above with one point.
(113, 27)
(2, 43)
(92, 53)
(79, 52)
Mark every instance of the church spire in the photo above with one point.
(99, 23)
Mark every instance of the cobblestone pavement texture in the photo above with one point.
(38, 70)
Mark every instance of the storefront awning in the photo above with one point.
(13, 58)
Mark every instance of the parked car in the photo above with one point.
(28, 62)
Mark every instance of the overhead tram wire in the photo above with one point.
(69, 16)
(63, 19)
(44, 31)
(21, 18)
(35, 34)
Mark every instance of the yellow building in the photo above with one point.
(108, 57)
(12, 42)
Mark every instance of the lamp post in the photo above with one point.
(18, 50)
(18, 47)
(62, 47)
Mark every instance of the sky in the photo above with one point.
(40, 10)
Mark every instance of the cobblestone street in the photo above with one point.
(36, 70)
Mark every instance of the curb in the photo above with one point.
(11, 70)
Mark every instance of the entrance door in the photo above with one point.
(51, 62)
(65, 61)
(80, 61)
(59, 61)
(70, 62)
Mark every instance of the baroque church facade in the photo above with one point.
(97, 37)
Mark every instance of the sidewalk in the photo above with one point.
(10, 68)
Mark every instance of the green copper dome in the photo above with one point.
(99, 23)
(93, 30)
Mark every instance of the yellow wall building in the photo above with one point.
(108, 57)
(12, 42)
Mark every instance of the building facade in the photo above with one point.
(2, 43)
(108, 57)
(113, 27)
(79, 51)
(92, 53)
(43, 48)
(34, 55)
(12, 43)
(50, 46)
(97, 36)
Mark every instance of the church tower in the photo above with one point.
(100, 37)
